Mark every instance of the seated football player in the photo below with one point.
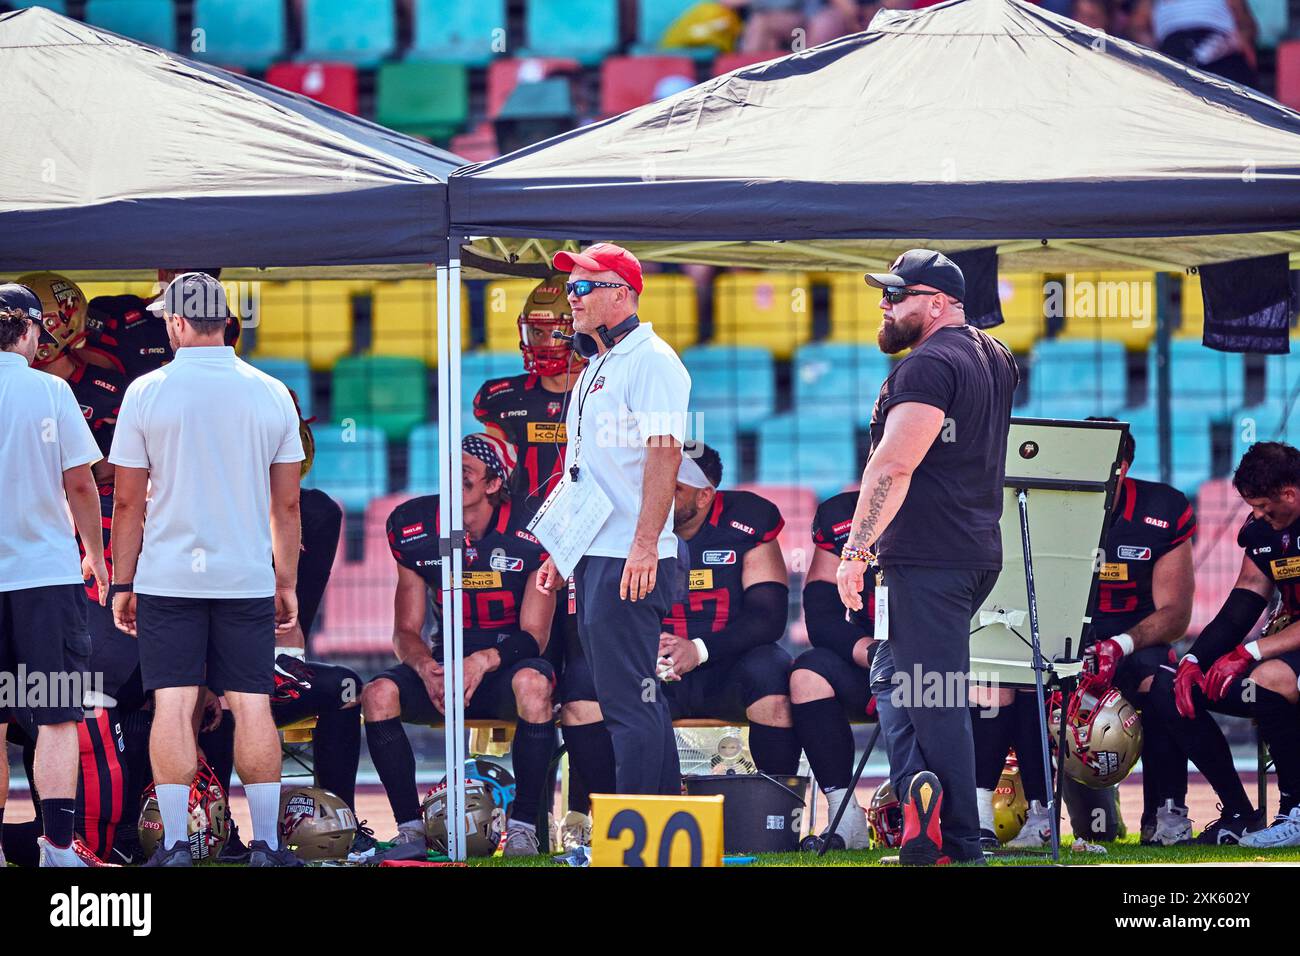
(719, 656)
(507, 625)
(1224, 672)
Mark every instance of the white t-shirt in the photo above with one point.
(636, 390)
(208, 427)
(42, 434)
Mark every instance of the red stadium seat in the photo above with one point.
(357, 610)
(504, 75)
(334, 84)
(1288, 73)
(1217, 559)
(726, 62)
(477, 146)
(627, 82)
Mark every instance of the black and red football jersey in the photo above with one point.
(136, 340)
(532, 418)
(831, 525)
(105, 525)
(738, 520)
(99, 392)
(1149, 520)
(496, 571)
(1277, 554)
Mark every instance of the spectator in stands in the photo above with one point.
(1217, 36)
(770, 24)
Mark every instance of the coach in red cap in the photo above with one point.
(626, 424)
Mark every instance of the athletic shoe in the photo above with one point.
(75, 854)
(126, 853)
(1037, 831)
(364, 844)
(989, 840)
(521, 840)
(1284, 831)
(1230, 828)
(260, 854)
(574, 831)
(1171, 827)
(853, 825)
(410, 832)
(234, 850)
(3, 862)
(922, 839)
(178, 855)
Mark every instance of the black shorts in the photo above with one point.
(851, 683)
(113, 653)
(44, 630)
(1136, 667)
(493, 700)
(226, 643)
(726, 691)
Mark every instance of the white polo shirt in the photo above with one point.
(42, 434)
(208, 427)
(636, 390)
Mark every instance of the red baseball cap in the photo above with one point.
(603, 256)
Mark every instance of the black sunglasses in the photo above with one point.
(583, 287)
(896, 296)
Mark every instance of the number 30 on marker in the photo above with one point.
(632, 830)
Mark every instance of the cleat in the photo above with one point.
(260, 854)
(1037, 831)
(1171, 827)
(75, 854)
(410, 832)
(234, 850)
(574, 831)
(852, 833)
(364, 844)
(1230, 828)
(521, 840)
(1284, 831)
(178, 855)
(922, 838)
(989, 841)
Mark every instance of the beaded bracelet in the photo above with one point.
(855, 554)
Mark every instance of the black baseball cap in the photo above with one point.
(15, 296)
(193, 295)
(922, 267)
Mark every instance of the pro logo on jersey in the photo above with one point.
(503, 562)
(719, 557)
(1131, 553)
(1155, 522)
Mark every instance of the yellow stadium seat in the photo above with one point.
(404, 319)
(305, 320)
(503, 300)
(668, 302)
(1021, 295)
(772, 310)
(854, 313)
(1119, 306)
(1193, 309)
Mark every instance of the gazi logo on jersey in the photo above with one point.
(720, 557)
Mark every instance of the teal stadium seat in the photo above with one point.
(422, 460)
(838, 378)
(1076, 370)
(736, 384)
(475, 369)
(351, 464)
(1191, 444)
(58, 6)
(458, 32)
(149, 21)
(244, 33)
(1282, 375)
(363, 32)
(1213, 380)
(1271, 19)
(1267, 421)
(595, 35)
(719, 433)
(653, 19)
(817, 452)
(388, 392)
(294, 373)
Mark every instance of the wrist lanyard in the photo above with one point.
(574, 470)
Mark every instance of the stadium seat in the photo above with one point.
(1272, 420)
(1193, 309)
(475, 369)
(627, 82)
(457, 32)
(356, 614)
(387, 392)
(504, 75)
(1220, 513)
(816, 452)
(305, 320)
(149, 21)
(1270, 20)
(597, 35)
(478, 145)
(363, 32)
(726, 62)
(1118, 306)
(422, 459)
(735, 384)
(838, 378)
(719, 433)
(1021, 296)
(654, 17)
(668, 302)
(425, 99)
(769, 309)
(58, 6)
(294, 374)
(404, 319)
(1191, 444)
(334, 84)
(854, 311)
(244, 33)
(1079, 371)
(1214, 380)
(797, 506)
(351, 464)
(503, 300)
(1288, 73)
(1281, 375)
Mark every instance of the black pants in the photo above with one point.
(620, 640)
(930, 610)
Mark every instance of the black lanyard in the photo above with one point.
(582, 403)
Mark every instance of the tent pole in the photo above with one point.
(1164, 324)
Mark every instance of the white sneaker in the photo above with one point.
(410, 832)
(574, 831)
(1037, 831)
(1284, 831)
(1173, 827)
(853, 826)
(521, 840)
(77, 854)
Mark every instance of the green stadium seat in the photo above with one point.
(839, 378)
(351, 464)
(817, 452)
(386, 392)
(594, 29)
(246, 33)
(363, 32)
(422, 459)
(458, 32)
(294, 373)
(426, 99)
(731, 384)
(149, 21)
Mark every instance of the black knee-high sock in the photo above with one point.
(336, 750)
(1199, 740)
(1164, 766)
(1279, 725)
(218, 748)
(57, 818)
(591, 763)
(531, 755)
(19, 840)
(394, 761)
(992, 729)
(136, 775)
(775, 749)
(824, 733)
(1028, 741)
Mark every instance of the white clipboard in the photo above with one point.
(568, 520)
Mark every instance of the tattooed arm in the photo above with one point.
(910, 430)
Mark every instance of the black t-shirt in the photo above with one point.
(1277, 554)
(531, 418)
(831, 525)
(738, 520)
(134, 338)
(1149, 521)
(949, 518)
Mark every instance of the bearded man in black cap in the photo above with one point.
(929, 510)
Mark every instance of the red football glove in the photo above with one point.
(1105, 657)
(873, 712)
(1189, 675)
(1226, 671)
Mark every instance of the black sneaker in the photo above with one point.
(922, 839)
(234, 850)
(127, 853)
(364, 844)
(1230, 828)
(989, 840)
(259, 854)
(177, 855)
